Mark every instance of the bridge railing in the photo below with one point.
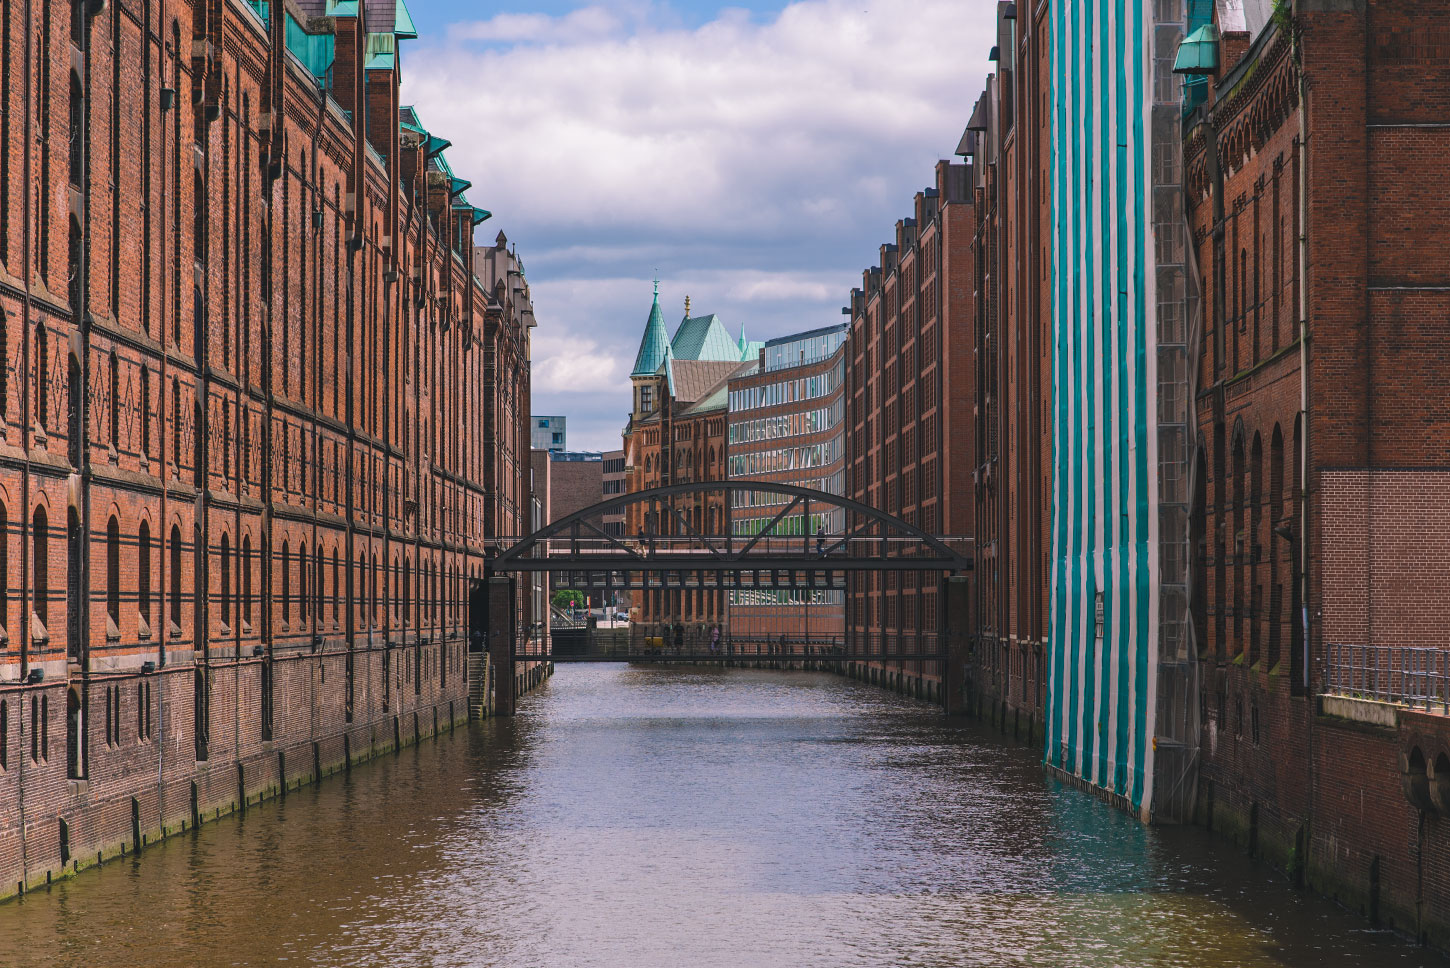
(916, 649)
(1407, 675)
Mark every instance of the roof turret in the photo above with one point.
(655, 341)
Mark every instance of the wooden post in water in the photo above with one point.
(956, 610)
(501, 643)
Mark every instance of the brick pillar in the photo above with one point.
(956, 606)
(501, 645)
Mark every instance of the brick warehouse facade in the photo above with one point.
(1313, 159)
(910, 440)
(240, 331)
(1007, 142)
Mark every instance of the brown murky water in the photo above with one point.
(632, 817)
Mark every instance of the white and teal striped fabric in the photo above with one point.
(1105, 595)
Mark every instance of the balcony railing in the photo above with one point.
(1408, 675)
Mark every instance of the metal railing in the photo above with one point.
(1408, 675)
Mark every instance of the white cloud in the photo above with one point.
(735, 125)
(757, 163)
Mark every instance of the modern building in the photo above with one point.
(260, 423)
(548, 433)
(787, 424)
(676, 434)
(911, 435)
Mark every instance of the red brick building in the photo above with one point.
(1008, 144)
(676, 435)
(1314, 168)
(911, 438)
(240, 338)
(787, 425)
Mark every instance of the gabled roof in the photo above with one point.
(718, 396)
(704, 338)
(694, 380)
(653, 344)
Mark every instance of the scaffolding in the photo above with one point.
(1178, 320)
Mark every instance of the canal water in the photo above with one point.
(637, 817)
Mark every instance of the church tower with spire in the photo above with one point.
(652, 348)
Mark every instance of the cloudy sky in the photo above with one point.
(755, 154)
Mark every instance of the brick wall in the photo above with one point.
(235, 349)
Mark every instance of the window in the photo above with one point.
(42, 377)
(285, 597)
(246, 614)
(77, 127)
(175, 570)
(113, 571)
(115, 415)
(143, 572)
(226, 580)
(317, 584)
(40, 565)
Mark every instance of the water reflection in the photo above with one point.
(633, 817)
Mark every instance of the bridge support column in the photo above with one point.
(502, 644)
(956, 607)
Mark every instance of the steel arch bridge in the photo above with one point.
(692, 537)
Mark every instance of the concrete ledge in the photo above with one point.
(1371, 712)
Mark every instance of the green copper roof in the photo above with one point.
(704, 338)
(1198, 53)
(655, 343)
(403, 26)
(315, 51)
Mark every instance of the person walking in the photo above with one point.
(714, 639)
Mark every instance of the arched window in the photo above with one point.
(77, 129)
(175, 576)
(176, 424)
(40, 565)
(42, 377)
(318, 585)
(143, 572)
(406, 600)
(1276, 539)
(115, 415)
(285, 596)
(336, 590)
(1255, 543)
(4, 568)
(302, 598)
(246, 615)
(113, 570)
(226, 580)
(74, 756)
(376, 605)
